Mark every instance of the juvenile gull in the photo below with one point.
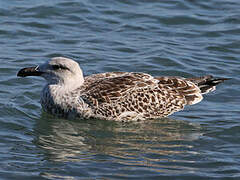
(119, 96)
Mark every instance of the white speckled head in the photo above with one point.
(62, 71)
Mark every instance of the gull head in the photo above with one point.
(57, 71)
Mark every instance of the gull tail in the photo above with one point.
(207, 83)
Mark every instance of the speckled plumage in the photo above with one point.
(119, 96)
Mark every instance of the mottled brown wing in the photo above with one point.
(110, 87)
(133, 92)
(185, 87)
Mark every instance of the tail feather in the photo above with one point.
(207, 83)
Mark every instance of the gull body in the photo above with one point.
(119, 96)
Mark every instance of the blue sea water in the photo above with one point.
(174, 38)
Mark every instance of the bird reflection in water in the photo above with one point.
(126, 143)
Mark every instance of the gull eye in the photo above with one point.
(55, 67)
(58, 67)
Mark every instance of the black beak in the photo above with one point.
(29, 71)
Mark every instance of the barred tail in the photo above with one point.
(207, 83)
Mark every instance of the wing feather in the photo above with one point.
(188, 89)
(135, 92)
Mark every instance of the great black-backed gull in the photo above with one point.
(119, 96)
